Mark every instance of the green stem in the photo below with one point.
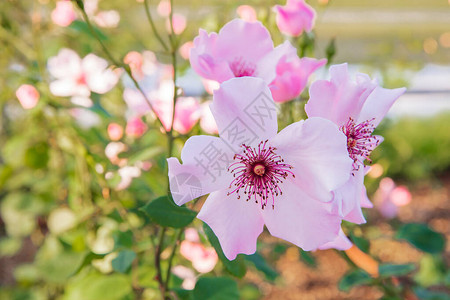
(158, 251)
(172, 255)
(152, 25)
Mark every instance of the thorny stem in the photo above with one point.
(114, 61)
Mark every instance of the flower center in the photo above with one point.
(241, 68)
(259, 172)
(360, 141)
(81, 79)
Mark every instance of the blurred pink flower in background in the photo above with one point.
(295, 17)
(77, 77)
(203, 259)
(357, 107)
(292, 76)
(207, 122)
(115, 131)
(135, 127)
(246, 13)
(163, 8)
(389, 197)
(85, 118)
(178, 23)
(232, 52)
(64, 13)
(107, 18)
(185, 49)
(127, 174)
(27, 95)
(135, 60)
(112, 151)
(188, 276)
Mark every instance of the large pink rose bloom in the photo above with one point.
(256, 176)
(77, 77)
(357, 107)
(295, 17)
(239, 49)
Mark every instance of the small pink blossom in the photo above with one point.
(357, 107)
(112, 151)
(210, 85)
(127, 174)
(135, 60)
(389, 197)
(77, 77)
(203, 259)
(232, 52)
(290, 175)
(135, 127)
(207, 122)
(292, 76)
(295, 17)
(187, 275)
(178, 23)
(64, 14)
(246, 13)
(107, 19)
(28, 96)
(115, 131)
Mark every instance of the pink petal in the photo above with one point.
(339, 98)
(238, 40)
(187, 113)
(246, 13)
(204, 169)
(378, 103)
(67, 64)
(300, 219)
(28, 96)
(244, 111)
(340, 243)
(207, 122)
(318, 152)
(68, 87)
(267, 66)
(64, 14)
(236, 222)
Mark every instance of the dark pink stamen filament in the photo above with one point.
(259, 173)
(241, 68)
(360, 141)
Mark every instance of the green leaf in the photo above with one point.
(216, 288)
(123, 261)
(96, 286)
(236, 267)
(330, 51)
(353, 278)
(61, 267)
(163, 211)
(81, 26)
(425, 294)
(262, 266)
(145, 154)
(122, 239)
(422, 237)
(360, 242)
(36, 157)
(307, 258)
(387, 270)
(184, 294)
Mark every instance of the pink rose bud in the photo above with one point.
(178, 23)
(115, 131)
(135, 127)
(163, 8)
(295, 17)
(28, 96)
(246, 13)
(64, 14)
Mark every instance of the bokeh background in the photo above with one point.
(60, 215)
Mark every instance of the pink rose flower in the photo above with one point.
(357, 107)
(341, 242)
(295, 17)
(203, 259)
(64, 14)
(292, 76)
(77, 77)
(246, 13)
(389, 197)
(28, 96)
(256, 176)
(233, 52)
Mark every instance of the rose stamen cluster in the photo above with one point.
(259, 172)
(360, 141)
